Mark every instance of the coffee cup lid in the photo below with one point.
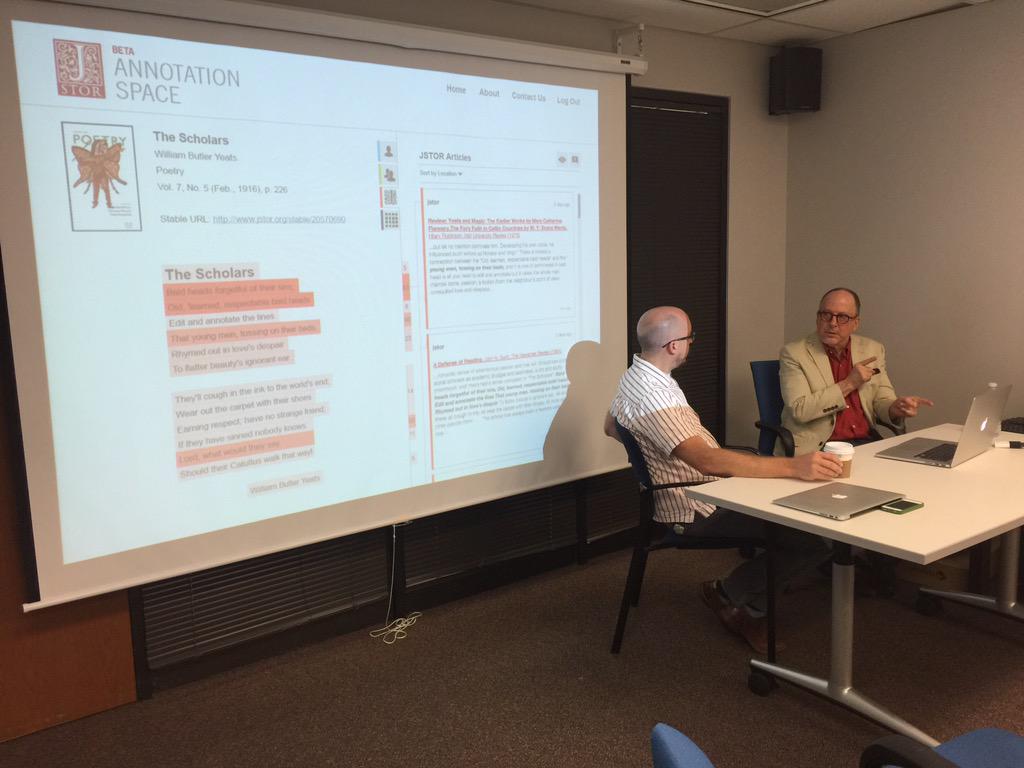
(839, 447)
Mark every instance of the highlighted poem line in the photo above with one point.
(185, 338)
(246, 448)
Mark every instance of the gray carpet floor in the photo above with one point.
(522, 676)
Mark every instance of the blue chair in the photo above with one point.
(984, 748)
(645, 532)
(671, 749)
(768, 392)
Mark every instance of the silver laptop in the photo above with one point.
(981, 427)
(839, 501)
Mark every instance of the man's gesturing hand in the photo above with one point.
(817, 466)
(862, 372)
(907, 406)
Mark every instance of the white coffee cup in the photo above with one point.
(843, 452)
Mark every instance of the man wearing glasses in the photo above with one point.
(834, 384)
(678, 448)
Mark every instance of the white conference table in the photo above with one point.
(963, 506)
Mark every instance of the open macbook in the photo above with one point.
(980, 428)
(839, 501)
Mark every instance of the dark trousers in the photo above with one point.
(746, 585)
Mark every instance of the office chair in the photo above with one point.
(645, 531)
(671, 749)
(768, 392)
(1015, 424)
(984, 748)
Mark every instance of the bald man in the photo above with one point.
(677, 448)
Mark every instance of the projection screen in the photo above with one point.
(268, 287)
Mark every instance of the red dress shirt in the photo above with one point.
(851, 423)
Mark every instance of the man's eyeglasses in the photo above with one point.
(841, 318)
(690, 338)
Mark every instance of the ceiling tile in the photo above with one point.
(819, 21)
(671, 14)
(766, 7)
(855, 15)
(771, 32)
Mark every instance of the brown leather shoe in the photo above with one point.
(712, 596)
(753, 630)
(736, 620)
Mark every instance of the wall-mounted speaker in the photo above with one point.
(795, 81)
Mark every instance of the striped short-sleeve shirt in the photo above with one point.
(651, 405)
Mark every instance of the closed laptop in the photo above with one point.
(838, 501)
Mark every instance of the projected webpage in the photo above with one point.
(272, 283)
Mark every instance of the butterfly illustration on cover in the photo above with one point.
(98, 167)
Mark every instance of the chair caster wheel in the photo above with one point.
(760, 682)
(927, 605)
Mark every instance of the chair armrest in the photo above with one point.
(782, 434)
(893, 428)
(902, 752)
(744, 448)
(665, 486)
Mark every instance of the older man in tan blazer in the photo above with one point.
(834, 383)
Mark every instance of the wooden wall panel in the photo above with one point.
(60, 663)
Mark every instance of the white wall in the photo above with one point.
(481, 17)
(757, 163)
(908, 187)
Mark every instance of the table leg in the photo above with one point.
(839, 686)
(1005, 601)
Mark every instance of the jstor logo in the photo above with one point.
(79, 69)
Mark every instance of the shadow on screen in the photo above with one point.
(567, 445)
